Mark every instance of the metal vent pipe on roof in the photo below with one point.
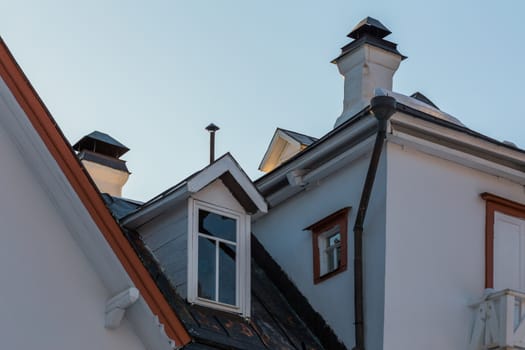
(212, 128)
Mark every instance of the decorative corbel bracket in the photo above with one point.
(117, 305)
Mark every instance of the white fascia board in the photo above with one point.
(359, 132)
(76, 218)
(221, 166)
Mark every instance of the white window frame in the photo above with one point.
(323, 239)
(242, 261)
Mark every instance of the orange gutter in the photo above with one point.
(62, 152)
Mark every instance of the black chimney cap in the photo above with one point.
(99, 142)
(369, 31)
(212, 127)
(370, 26)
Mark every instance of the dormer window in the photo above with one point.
(219, 257)
(199, 231)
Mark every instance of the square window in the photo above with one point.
(330, 244)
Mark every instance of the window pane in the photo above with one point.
(206, 269)
(227, 273)
(335, 239)
(333, 257)
(333, 250)
(217, 225)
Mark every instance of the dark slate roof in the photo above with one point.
(101, 143)
(371, 26)
(301, 138)
(369, 31)
(120, 207)
(313, 320)
(273, 323)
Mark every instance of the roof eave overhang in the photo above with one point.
(352, 139)
(459, 145)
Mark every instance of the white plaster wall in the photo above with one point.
(434, 248)
(281, 233)
(50, 297)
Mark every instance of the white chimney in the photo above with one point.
(100, 153)
(367, 63)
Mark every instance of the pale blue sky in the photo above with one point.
(154, 74)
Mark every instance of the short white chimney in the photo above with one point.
(367, 63)
(100, 153)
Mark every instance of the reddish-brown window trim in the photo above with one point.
(494, 204)
(340, 218)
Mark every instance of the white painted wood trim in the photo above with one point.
(192, 255)
(221, 166)
(243, 261)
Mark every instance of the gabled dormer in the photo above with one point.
(199, 231)
(284, 145)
